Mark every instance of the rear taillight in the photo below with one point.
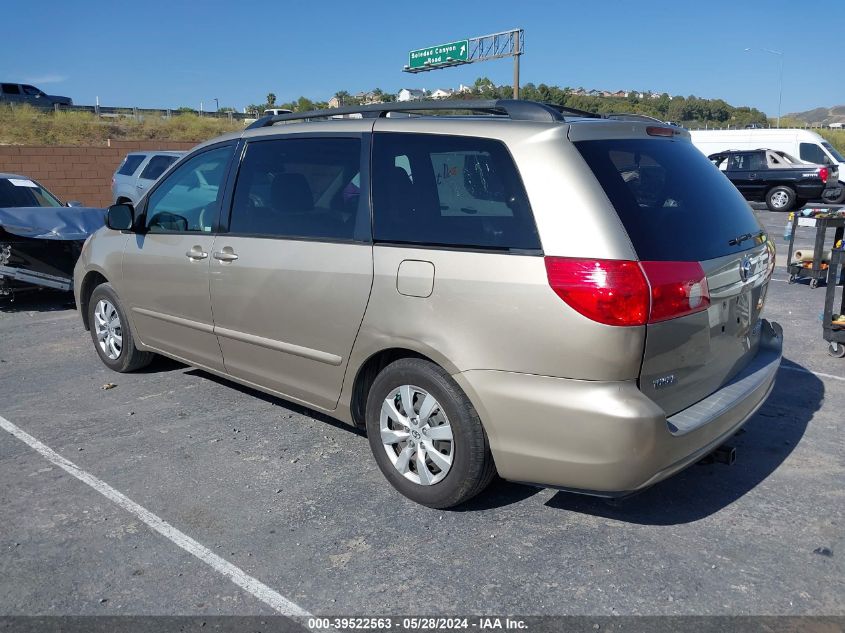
(613, 292)
(620, 292)
(824, 173)
(677, 289)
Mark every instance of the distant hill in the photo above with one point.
(821, 116)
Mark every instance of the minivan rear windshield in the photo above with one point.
(674, 204)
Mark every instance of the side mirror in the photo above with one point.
(120, 217)
(74, 203)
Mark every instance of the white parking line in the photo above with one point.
(246, 582)
(814, 373)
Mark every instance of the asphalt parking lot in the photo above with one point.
(295, 501)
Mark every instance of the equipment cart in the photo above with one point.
(816, 271)
(834, 333)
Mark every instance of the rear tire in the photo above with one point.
(426, 436)
(780, 198)
(111, 332)
(840, 199)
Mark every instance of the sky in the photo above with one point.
(173, 53)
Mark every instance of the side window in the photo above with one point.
(299, 187)
(157, 166)
(188, 199)
(449, 191)
(812, 153)
(740, 162)
(756, 161)
(130, 164)
(721, 161)
(32, 91)
(10, 89)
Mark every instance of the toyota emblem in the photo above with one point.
(745, 268)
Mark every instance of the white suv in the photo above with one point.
(137, 172)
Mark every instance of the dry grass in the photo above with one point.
(28, 126)
(836, 138)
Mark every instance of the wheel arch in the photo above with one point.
(367, 370)
(92, 279)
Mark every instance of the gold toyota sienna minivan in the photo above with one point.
(562, 299)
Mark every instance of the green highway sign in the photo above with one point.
(441, 55)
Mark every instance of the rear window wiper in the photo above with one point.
(744, 237)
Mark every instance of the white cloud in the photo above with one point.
(50, 78)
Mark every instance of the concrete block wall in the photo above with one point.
(76, 173)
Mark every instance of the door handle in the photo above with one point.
(225, 255)
(196, 253)
(139, 186)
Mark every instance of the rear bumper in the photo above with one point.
(608, 438)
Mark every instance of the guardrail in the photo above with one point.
(136, 113)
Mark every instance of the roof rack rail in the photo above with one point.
(575, 111)
(516, 109)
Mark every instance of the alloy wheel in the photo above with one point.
(108, 329)
(416, 435)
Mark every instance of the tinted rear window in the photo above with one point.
(674, 203)
(157, 165)
(130, 164)
(449, 191)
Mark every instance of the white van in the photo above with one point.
(804, 144)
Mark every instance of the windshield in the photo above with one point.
(836, 155)
(675, 205)
(23, 192)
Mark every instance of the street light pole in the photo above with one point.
(780, 89)
(216, 104)
(780, 79)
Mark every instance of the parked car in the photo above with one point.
(781, 181)
(568, 301)
(806, 145)
(40, 239)
(138, 171)
(24, 93)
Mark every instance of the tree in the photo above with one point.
(342, 97)
(271, 99)
(303, 104)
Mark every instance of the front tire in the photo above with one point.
(426, 436)
(112, 334)
(780, 198)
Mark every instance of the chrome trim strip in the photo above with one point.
(279, 346)
(169, 318)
